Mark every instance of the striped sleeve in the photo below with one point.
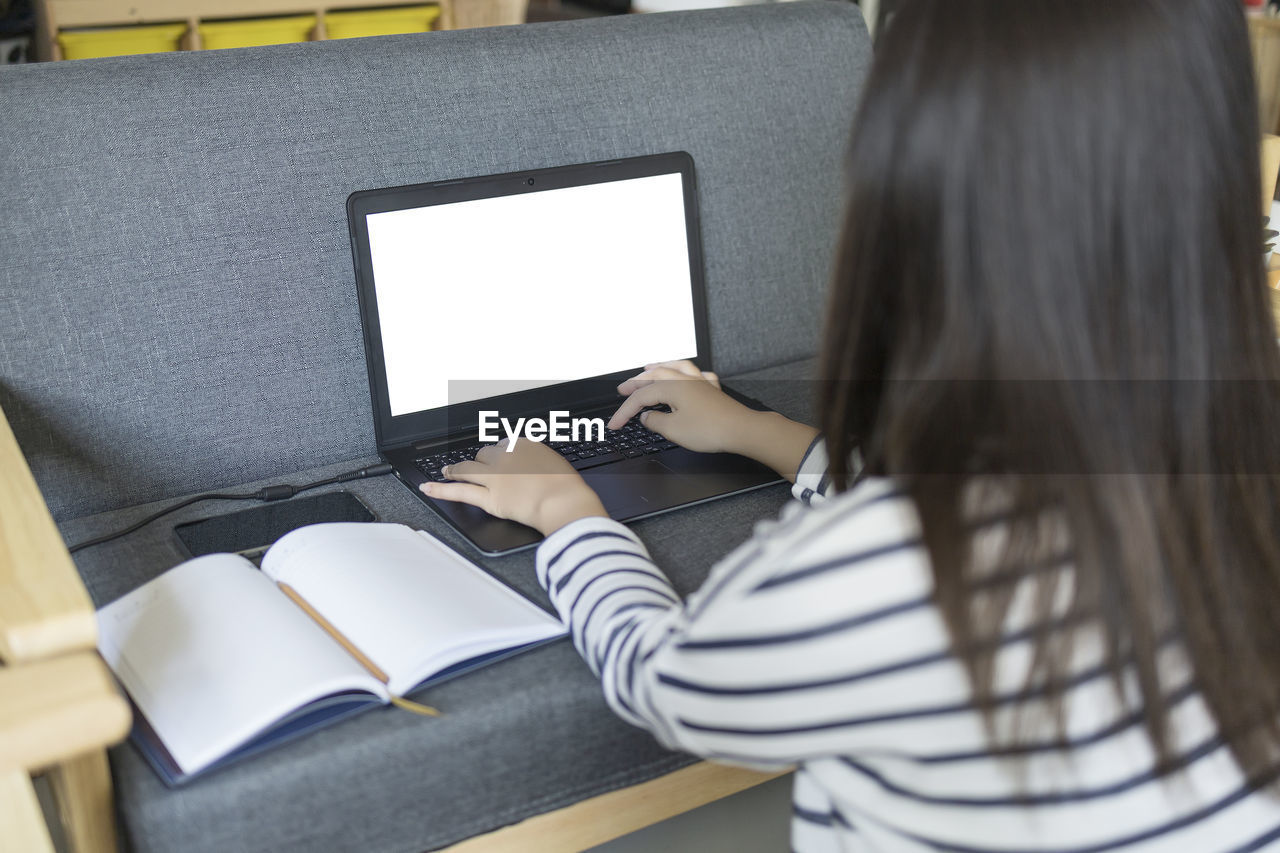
(705, 674)
(616, 603)
(627, 621)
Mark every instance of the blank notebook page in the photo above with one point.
(212, 653)
(408, 602)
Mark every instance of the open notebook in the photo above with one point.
(223, 660)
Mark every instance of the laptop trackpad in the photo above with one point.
(638, 487)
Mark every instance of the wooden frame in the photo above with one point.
(59, 708)
(608, 816)
(58, 716)
(44, 608)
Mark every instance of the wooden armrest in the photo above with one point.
(44, 607)
(56, 709)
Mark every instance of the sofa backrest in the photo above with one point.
(177, 303)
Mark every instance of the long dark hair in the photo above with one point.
(1049, 307)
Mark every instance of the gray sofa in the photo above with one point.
(178, 313)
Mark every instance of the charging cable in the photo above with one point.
(266, 494)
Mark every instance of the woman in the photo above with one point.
(1041, 617)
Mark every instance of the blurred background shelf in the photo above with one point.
(1264, 33)
(78, 29)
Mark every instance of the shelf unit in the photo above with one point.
(52, 16)
(1264, 33)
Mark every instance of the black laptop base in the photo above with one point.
(665, 478)
(630, 490)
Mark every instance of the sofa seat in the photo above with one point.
(524, 736)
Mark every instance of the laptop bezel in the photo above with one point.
(394, 431)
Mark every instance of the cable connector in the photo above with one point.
(276, 493)
(372, 471)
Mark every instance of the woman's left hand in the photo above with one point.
(532, 484)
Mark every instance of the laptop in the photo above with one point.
(534, 294)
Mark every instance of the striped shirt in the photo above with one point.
(817, 645)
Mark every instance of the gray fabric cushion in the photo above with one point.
(521, 737)
(177, 305)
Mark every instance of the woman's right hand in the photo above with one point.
(702, 417)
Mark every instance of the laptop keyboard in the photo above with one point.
(631, 442)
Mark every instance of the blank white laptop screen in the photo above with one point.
(504, 294)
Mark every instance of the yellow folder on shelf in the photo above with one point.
(120, 41)
(380, 22)
(252, 32)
